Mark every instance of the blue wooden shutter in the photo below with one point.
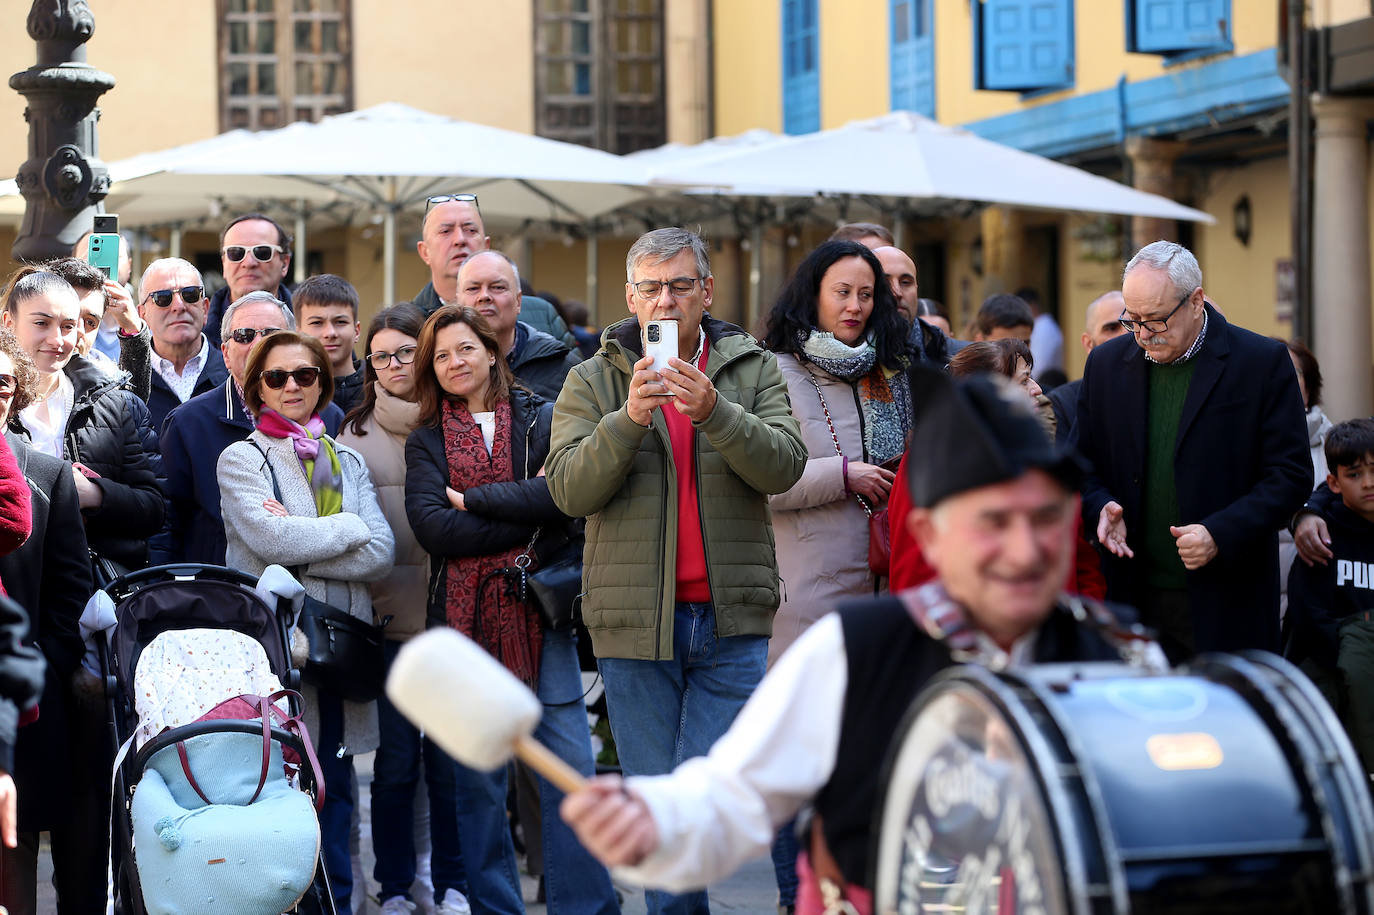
(801, 65)
(1169, 26)
(1022, 45)
(913, 56)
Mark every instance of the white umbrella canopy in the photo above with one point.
(905, 155)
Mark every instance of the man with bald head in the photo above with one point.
(489, 282)
(453, 232)
(930, 342)
(171, 300)
(1103, 323)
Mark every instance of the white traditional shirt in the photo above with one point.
(184, 384)
(717, 811)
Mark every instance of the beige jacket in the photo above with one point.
(822, 531)
(401, 594)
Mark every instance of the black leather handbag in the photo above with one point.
(555, 588)
(347, 656)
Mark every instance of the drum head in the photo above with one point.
(965, 825)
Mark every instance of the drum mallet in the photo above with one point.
(471, 706)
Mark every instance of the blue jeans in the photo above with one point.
(337, 816)
(665, 712)
(574, 881)
(784, 852)
(395, 775)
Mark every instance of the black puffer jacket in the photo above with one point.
(540, 362)
(499, 516)
(103, 433)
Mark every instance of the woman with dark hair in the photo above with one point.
(50, 576)
(291, 495)
(477, 500)
(377, 429)
(842, 346)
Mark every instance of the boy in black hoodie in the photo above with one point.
(1331, 604)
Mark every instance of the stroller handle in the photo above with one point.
(177, 571)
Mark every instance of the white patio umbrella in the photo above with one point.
(905, 155)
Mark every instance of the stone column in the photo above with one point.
(1003, 247)
(1341, 321)
(1152, 170)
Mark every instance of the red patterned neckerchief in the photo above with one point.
(506, 626)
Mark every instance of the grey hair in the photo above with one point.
(160, 263)
(254, 298)
(515, 268)
(32, 285)
(665, 244)
(1180, 263)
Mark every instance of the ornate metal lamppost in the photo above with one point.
(63, 179)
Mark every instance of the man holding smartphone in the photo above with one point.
(673, 470)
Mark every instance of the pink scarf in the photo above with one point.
(308, 441)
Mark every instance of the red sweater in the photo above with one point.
(692, 583)
(909, 567)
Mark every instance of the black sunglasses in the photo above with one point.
(262, 253)
(162, 298)
(432, 202)
(276, 378)
(8, 384)
(247, 335)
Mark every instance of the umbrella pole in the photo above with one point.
(755, 275)
(593, 286)
(298, 265)
(389, 244)
(174, 241)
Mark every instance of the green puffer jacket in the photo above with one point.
(620, 475)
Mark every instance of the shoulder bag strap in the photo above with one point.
(834, 437)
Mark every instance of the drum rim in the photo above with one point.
(1259, 670)
(998, 688)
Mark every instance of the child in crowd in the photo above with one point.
(1333, 635)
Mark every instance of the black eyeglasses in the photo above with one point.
(1153, 325)
(235, 253)
(648, 290)
(432, 202)
(162, 298)
(276, 378)
(380, 360)
(8, 384)
(247, 335)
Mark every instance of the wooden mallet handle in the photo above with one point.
(542, 760)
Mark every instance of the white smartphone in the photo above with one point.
(660, 341)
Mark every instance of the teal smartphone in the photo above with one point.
(102, 251)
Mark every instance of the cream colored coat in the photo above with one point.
(402, 593)
(821, 531)
(337, 555)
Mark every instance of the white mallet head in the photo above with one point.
(462, 698)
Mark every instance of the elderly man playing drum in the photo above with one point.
(995, 507)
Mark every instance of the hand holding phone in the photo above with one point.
(102, 248)
(660, 341)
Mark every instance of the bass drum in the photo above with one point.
(1229, 787)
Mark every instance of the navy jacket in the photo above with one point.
(192, 439)
(162, 401)
(1242, 467)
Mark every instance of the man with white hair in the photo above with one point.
(172, 302)
(1198, 439)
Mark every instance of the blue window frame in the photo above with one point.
(1023, 45)
(801, 66)
(1178, 27)
(912, 56)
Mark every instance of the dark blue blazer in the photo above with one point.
(162, 401)
(1242, 467)
(193, 437)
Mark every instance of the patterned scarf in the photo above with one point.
(884, 394)
(496, 618)
(326, 477)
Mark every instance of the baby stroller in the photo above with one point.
(204, 842)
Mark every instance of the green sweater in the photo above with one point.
(1168, 388)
